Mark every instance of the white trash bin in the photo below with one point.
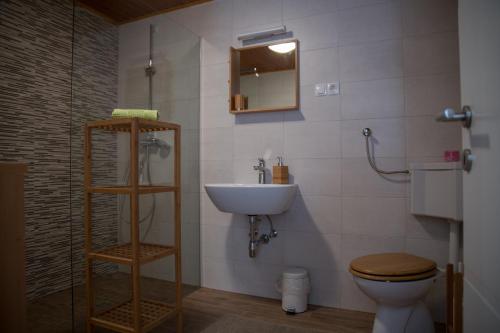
(294, 287)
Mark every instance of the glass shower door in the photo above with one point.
(109, 71)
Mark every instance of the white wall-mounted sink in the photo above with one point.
(252, 199)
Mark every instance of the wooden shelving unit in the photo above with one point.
(136, 315)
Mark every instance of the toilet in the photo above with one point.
(398, 283)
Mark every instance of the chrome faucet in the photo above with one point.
(262, 170)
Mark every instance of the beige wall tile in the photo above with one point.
(327, 286)
(358, 178)
(342, 4)
(370, 61)
(431, 54)
(218, 274)
(258, 140)
(428, 16)
(315, 32)
(428, 95)
(256, 12)
(299, 8)
(214, 80)
(387, 140)
(315, 214)
(216, 144)
(318, 66)
(302, 249)
(312, 139)
(372, 99)
(369, 23)
(316, 176)
(215, 112)
(426, 137)
(384, 217)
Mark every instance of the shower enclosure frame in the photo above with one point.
(136, 315)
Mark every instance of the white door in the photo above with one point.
(479, 34)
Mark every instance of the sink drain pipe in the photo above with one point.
(255, 238)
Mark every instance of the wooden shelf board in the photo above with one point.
(124, 125)
(144, 189)
(122, 254)
(157, 189)
(278, 108)
(120, 319)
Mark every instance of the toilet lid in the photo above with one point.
(393, 267)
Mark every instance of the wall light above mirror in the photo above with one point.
(264, 77)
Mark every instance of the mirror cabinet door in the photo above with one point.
(264, 78)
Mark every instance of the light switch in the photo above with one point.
(320, 89)
(333, 88)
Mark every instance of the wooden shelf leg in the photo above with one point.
(449, 298)
(180, 323)
(458, 302)
(178, 266)
(90, 295)
(178, 291)
(134, 224)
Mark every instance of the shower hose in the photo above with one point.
(371, 158)
(125, 179)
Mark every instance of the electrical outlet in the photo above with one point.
(320, 89)
(333, 88)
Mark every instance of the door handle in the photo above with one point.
(449, 114)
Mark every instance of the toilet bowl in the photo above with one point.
(397, 282)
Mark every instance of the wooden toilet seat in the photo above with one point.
(393, 267)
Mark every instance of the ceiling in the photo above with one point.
(123, 11)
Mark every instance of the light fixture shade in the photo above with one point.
(283, 47)
(263, 33)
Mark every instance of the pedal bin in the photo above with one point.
(294, 287)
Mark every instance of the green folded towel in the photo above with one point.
(130, 113)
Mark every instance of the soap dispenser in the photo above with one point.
(280, 172)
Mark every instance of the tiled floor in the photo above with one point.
(205, 310)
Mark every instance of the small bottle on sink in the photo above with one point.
(280, 172)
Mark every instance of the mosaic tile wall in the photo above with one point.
(95, 81)
(36, 118)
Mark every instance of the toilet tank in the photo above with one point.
(436, 190)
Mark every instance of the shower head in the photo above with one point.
(367, 132)
(450, 114)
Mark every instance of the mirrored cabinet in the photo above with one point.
(264, 77)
